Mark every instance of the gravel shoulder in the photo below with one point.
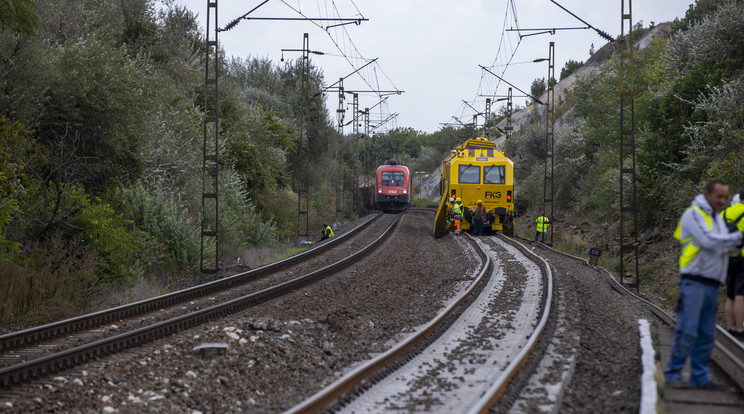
(608, 368)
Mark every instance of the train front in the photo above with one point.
(393, 190)
(478, 171)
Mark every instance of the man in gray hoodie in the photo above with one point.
(702, 266)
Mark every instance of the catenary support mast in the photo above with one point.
(628, 202)
(549, 133)
(303, 188)
(210, 208)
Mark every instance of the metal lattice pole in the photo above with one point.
(549, 138)
(303, 189)
(628, 202)
(508, 128)
(370, 165)
(210, 210)
(355, 132)
(340, 112)
(487, 114)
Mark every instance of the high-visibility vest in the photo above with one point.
(732, 213)
(689, 248)
(328, 231)
(479, 213)
(542, 224)
(457, 209)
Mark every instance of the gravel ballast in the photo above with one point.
(606, 377)
(279, 352)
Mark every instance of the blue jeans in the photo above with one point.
(543, 235)
(694, 333)
(477, 227)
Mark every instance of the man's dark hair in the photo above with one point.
(741, 192)
(712, 184)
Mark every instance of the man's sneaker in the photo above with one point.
(677, 384)
(713, 386)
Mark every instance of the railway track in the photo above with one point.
(465, 358)
(46, 349)
(727, 359)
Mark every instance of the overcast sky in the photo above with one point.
(430, 49)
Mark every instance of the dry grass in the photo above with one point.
(258, 256)
(141, 289)
(55, 282)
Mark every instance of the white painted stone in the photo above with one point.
(649, 393)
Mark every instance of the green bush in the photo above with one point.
(110, 234)
(155, 212)
(241, 225)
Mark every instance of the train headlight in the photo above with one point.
(379, 190)
(405, 191)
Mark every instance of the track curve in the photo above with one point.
(18, 373)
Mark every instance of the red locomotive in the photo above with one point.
(393, 189)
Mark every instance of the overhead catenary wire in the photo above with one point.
(339, 35)
(600, 32)
(503, 59)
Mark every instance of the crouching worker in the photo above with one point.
(702, 266)
(327, 232)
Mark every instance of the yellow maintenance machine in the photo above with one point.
(476, 170)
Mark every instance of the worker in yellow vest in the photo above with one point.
(542, 226)
(705, 243)
(734, 217)
(457, 214)
(327, 232)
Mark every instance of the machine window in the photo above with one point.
(494, 174)
(469, 174)
(392, 178)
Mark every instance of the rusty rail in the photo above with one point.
(728, 353)
(401, 352)
(75, 356)
(92, 320)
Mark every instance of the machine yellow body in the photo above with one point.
(476, 170)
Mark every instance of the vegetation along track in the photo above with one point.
(65, 350)
(467, 354)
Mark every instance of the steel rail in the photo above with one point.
(498, 388)
(728, 353)
(89, 321)
(75, 356)
(336, 390)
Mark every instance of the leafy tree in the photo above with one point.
(570, 67)
(257, 151)
(538, 87)
(18, 16)
(97, 106)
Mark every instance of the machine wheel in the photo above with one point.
(508, 229)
